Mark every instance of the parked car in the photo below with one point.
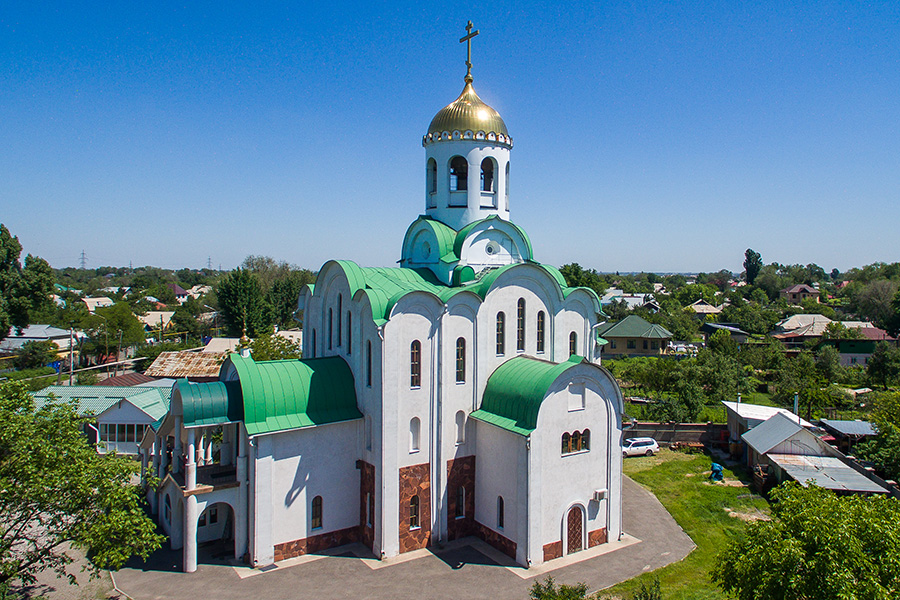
(640, 447)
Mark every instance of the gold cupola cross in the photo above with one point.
(468, 40)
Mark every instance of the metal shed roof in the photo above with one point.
(849, 428)
(826, 472)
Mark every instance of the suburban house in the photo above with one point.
(781, 450)
(156, 320)
(742, 417)
(95, 303)
(187, 364)
(704, 308)
(800, 292)
(737, 334)
(857, 351)
(634, 336)
(35, 333)
(121, 414)
(180, 293)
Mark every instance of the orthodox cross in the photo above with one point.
(468, 40)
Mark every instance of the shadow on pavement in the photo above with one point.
(457, 558)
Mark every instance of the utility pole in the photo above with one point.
(71, 355)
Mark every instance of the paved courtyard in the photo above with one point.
(468, 570)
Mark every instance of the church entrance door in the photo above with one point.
(574, 530)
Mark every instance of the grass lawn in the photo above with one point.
(710, 513)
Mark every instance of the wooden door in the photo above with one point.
(574, 531)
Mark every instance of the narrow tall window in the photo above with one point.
(566, 443)
(414, 512)
(330, 327)
(573, 343)
(368, 423)
(459, 174)
(460, 502)
(487, 175)
(500, 512)
(316, 520)
(586, 439)
(371, 509)
(460, 360)
(506, 187)
(460, 427)
(576, 441)
(368, 363)
(415, 364)
(540, 331)
(314, 344)
(501, 334)
(432, 176)
(349, 332)
(414, 429)
(340, 335)
(520, 325)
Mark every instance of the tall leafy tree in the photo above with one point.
(242, 304)
(22, 290)
(57, 492)
(818, 545)
(283, 295)
(884, 364)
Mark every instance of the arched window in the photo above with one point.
(313, 343)
(459, 174)
(330, 326)
(586, 439)
(415, 364)
(520, 325)
(460, 427)
(487, 175)
(340, 336)
(349, 332)
(501, 333)
(460, 360)
(566, 443)
(431, 176)
(460, 502)
(573, 343)
(167, 509)
(500, 512)
(580, 441)
(414, 512)
(576, 441)
(316, 520)
(540, 331)
(369, 363)
(414, 427)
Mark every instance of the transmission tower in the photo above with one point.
(83, 260)
(209, 263)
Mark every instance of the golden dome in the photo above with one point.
(468, 113)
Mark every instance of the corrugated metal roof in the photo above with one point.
(828, 472)
(634, 326)
(94, 400)
(515, 390)
(758, 412)
(127, 380)
(857, 428)
(210, 403)
(186, 363)
(772, 432)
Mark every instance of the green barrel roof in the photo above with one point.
(210, 403)
(289, 394)
(516, 389)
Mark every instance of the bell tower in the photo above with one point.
(467, 158)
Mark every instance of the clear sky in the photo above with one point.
(655, 136)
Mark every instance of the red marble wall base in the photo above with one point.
(316, 543)
(597, 537)
(501, 543)
(366, 503)
(461, 473)
(415, 480)
(552, 550)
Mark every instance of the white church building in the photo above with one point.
(459, 394)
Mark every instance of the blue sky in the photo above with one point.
(655, 136)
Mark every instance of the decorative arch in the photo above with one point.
(574, 529)
(489, 175)
(415, 430)
(459, 174)
(431, 180)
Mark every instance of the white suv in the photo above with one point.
(640, 447)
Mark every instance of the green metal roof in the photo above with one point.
(211, 403)
(515, 391)
(444, 235)
(96, 399)
(464, 233)
(289, 394)
(634, 326)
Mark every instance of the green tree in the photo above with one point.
(548, 590)
(884, 364)
(187, 319)
(58, 491)
(752, 265)
(272, 346)
(105, 325)
(242, 304)
(22, 291)
(818, 545)
(828, 363)
(575, 276)
(883, 450)
(283, 295)
(874, 301)
(721, 342)
(36, 354)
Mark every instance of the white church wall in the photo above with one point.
(575, 476)
(501, 471)
(300, 471)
